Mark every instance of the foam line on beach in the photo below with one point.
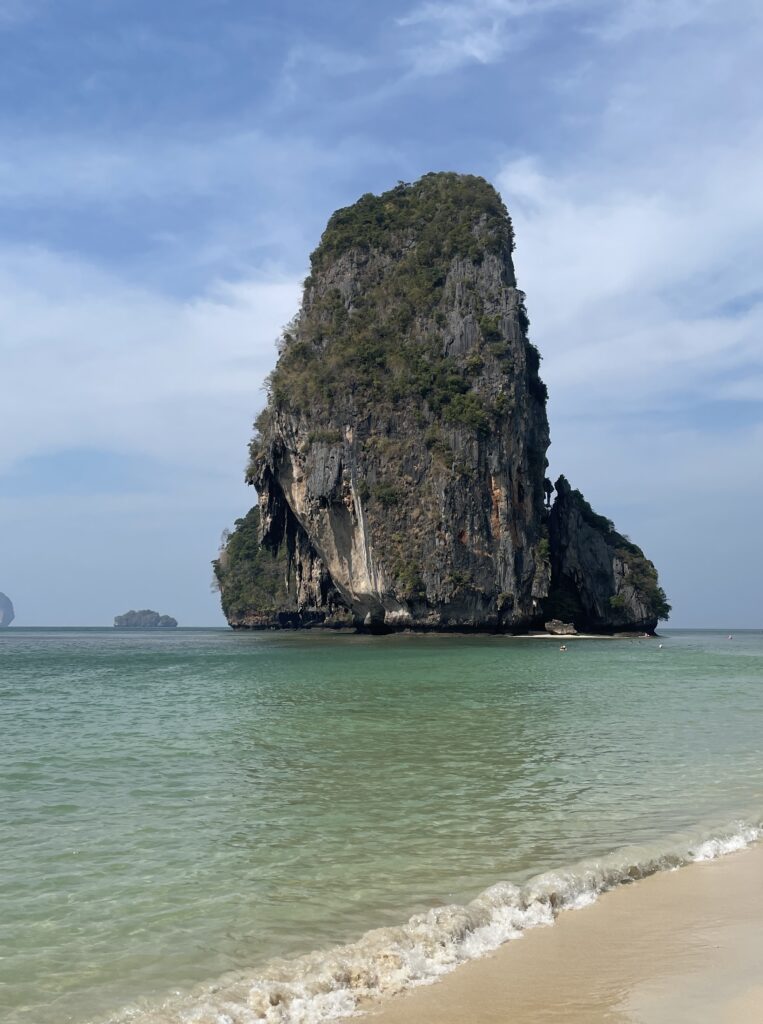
(326, 985)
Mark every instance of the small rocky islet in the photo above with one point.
(400, 460)
(146, 618)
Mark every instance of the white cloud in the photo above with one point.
(625, 283)
(89, 361)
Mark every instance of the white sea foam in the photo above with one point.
(718, 846)
(324, 986)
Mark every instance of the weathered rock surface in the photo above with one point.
(558, 628)
(7, 614)
(281, 584)
(601, 580)
(400, 459)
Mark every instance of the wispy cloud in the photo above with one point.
(311, 66)
(640, 16)
(447, 34)
(88, 360)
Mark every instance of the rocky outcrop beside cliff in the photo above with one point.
(602, 581)
(400, 459)
(7, 614)
(272, 578)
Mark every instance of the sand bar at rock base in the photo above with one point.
(680, 946)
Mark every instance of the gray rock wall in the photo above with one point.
(455, 544)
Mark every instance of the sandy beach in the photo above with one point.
(680, 946)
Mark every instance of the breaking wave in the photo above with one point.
(339, 982)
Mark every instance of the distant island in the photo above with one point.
(7, 615)
(400, 460)
(144, 619)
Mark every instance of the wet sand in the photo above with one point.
(680, 946)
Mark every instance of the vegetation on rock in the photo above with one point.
(633, 581)
(249, 575)
(401, 455)
(382, 344)
(144, 619)
(439, 210)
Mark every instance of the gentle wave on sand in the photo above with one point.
(324, 986)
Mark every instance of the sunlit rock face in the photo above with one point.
(400, 460)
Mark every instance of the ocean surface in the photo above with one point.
(222, 828)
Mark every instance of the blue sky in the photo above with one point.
(165, 170)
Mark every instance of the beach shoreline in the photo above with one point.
(682, 945)
(564, 637)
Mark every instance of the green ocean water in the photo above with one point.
(178, 805)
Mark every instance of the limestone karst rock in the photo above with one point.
(146, 618)
(7, 614)
(601, 580)
(400, 460)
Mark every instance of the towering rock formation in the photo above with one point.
(6, 611)
(400, 458)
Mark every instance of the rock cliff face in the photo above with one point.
(601, 580)
(6, 611)
(400, 459)
(276, 581)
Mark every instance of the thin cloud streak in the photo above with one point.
(449, 35)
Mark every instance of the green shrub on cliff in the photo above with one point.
(249, 576)
(440, 209)
(382, 347)
(642, 575)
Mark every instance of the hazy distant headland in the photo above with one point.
(400, 461)
(144, 619)
(7, 614)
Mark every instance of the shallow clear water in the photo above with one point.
(178, 805)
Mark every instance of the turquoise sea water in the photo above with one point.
(180, 807)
